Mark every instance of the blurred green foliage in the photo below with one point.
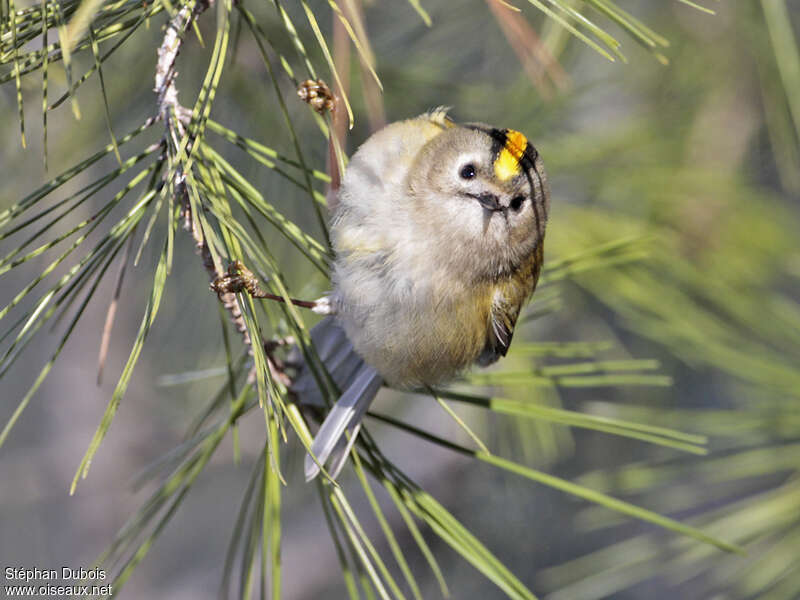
(673, 234)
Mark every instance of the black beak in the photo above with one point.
(488, 201)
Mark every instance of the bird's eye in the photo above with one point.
(468, 171)
(516, 202)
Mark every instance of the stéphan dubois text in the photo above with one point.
(63, 574)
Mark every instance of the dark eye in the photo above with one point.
(516, 202)
(468, 171)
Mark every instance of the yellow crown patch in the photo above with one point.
(507, 163)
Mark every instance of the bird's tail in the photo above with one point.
(359, 384)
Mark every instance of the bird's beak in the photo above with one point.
(489, 201)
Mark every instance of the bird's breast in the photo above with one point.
(416, 331)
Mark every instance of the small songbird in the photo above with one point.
(438, 232)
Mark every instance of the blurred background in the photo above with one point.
(685, 156)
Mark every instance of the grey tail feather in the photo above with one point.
(345, 415)
(359, 383)
(336, 351)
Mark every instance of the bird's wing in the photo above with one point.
(509, 297)
(503, 317)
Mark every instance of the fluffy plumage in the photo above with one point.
(438, 234)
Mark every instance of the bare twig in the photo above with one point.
(166, 92)
(239, 278)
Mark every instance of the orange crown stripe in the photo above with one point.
(507, 163)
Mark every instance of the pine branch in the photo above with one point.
(176, 119)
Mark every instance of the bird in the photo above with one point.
(438, 233)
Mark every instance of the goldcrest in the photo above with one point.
(438, 232)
